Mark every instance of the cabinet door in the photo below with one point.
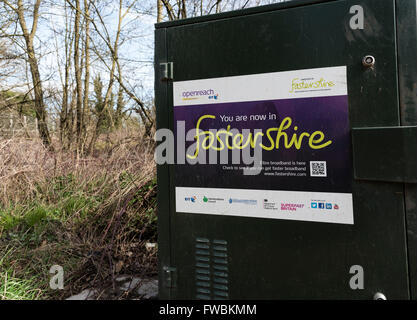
(247, 253)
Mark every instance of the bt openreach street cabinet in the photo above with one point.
(287, 152)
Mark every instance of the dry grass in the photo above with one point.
(91, 215)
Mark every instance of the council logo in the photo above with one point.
(212, 200)
(243, 201)
(269, 205)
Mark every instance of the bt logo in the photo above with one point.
(215, 97)
(191, 199)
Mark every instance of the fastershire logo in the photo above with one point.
(310, 84)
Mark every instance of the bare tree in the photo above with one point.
(64, 107)
(181, 9)
(29, 35)
(92, 39)
(114, 47)
(78, 71)
(159, 8)
(86, 107)
(114, 68)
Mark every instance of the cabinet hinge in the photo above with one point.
(167, 71)
(170, 277)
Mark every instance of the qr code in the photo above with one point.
(318, 169)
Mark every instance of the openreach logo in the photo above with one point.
(197, 94)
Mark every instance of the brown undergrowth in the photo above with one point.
(91, 215)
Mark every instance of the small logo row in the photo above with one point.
(324, 205)
(193, 199)
(267, 204)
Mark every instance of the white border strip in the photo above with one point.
(320, 82)
(272, 204)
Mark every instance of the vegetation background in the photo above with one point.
(77, 119)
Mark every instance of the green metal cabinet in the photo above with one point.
(255, 258)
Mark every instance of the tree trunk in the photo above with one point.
(77, 68)
(107, 99)
(65, 115)
(39, 103)
(159, 6)
(34, 69)
(86, 108)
